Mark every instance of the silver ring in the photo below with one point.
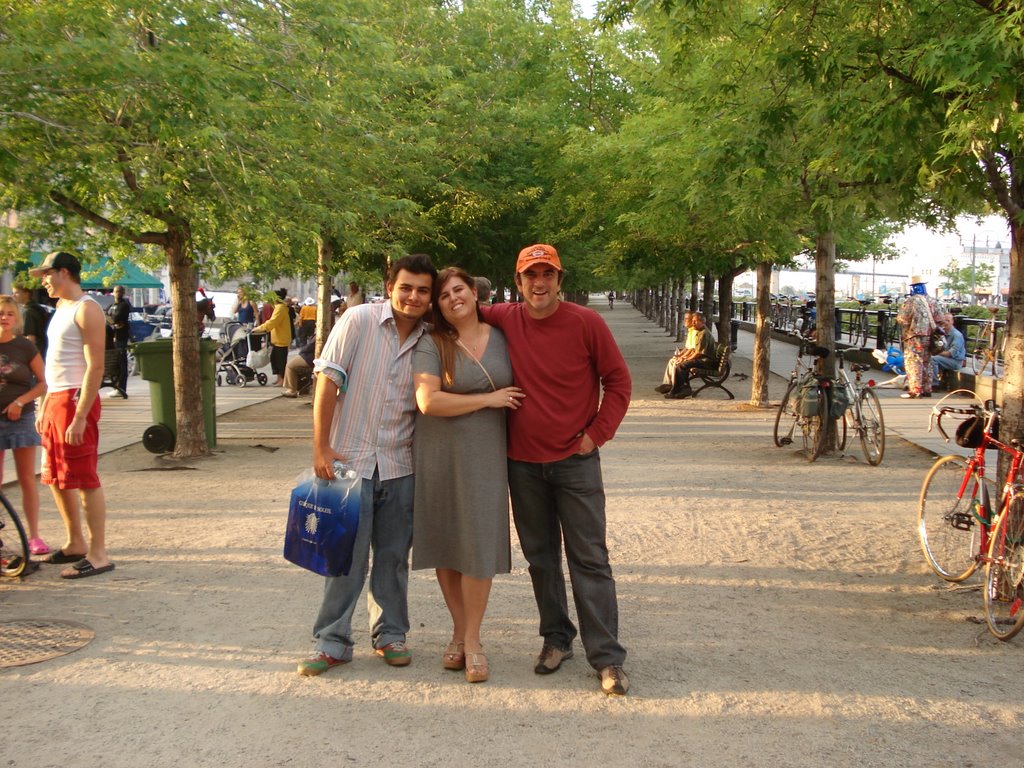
(510, 398)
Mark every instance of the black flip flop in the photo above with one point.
(60, 557)
(84, 568)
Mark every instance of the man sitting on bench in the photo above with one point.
(701, 355)
(669, 378)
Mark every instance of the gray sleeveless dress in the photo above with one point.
(460, 517)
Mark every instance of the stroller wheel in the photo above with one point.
(262, 379)
(230, 378)
(219, 380)
(240, 381)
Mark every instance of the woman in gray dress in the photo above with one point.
(463, 386)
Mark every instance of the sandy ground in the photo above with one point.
(776, 613)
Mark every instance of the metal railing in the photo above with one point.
(882, 329)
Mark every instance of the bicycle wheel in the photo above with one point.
(946, 524)
(814, 428)
(862, 332)
(786, 417)
(1004, 573)
(13, 541)
(979, 360)
(843, 428)
(872, 427)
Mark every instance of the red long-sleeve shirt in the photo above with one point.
(561, 362)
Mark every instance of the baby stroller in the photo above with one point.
(237, 360)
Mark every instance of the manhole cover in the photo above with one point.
(33, 640)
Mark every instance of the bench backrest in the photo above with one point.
(722, 352)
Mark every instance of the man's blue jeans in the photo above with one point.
(385, 524)
(946, 364)
(564, 500)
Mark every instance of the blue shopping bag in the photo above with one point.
(323, 518)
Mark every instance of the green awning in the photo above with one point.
(100, 274)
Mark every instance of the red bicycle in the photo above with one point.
(960, 524)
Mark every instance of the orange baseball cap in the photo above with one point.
(538, 254)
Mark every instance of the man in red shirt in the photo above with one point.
(563, 356)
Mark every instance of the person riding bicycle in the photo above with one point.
(611, 299)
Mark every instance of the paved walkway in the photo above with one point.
(124, 421)
(906, 418)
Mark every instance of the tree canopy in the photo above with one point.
(674, 138)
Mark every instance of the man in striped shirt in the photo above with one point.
(363, 415)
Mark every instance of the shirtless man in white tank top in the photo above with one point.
(68, 421)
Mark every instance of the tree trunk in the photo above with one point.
(677, 309)
(670, 307)
(709, 298)
(762, 338)
(825, 298)
(693, 306)
(725, 307)
(188, 400)
(324, 284)
(1011, 424)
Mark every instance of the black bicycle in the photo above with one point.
(13, 541)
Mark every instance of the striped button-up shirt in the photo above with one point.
(374, 418)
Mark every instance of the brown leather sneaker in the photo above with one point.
(614, 681)
(550, 659)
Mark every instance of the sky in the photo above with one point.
(922, 253)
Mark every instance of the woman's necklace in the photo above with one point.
(476, 343)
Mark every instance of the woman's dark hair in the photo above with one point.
(444, 334)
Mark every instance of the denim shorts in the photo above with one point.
(19, 434)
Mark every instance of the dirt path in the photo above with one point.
(776, 613)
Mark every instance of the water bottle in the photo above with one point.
(343, 470)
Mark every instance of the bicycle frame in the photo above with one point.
(976, 466)
(860, 324)
(988, 353)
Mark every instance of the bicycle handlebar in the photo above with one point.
(986, 411)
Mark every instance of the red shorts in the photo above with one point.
(63, 465)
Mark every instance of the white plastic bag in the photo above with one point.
(258, 358)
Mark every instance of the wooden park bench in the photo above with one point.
(717, 376)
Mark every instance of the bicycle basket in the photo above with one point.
(970, 430)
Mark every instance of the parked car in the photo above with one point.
(141, 328)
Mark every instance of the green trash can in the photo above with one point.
(156, 365)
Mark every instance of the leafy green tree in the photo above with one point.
(127, 121)
(253, 139)
(755, 144)
(959, 281)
